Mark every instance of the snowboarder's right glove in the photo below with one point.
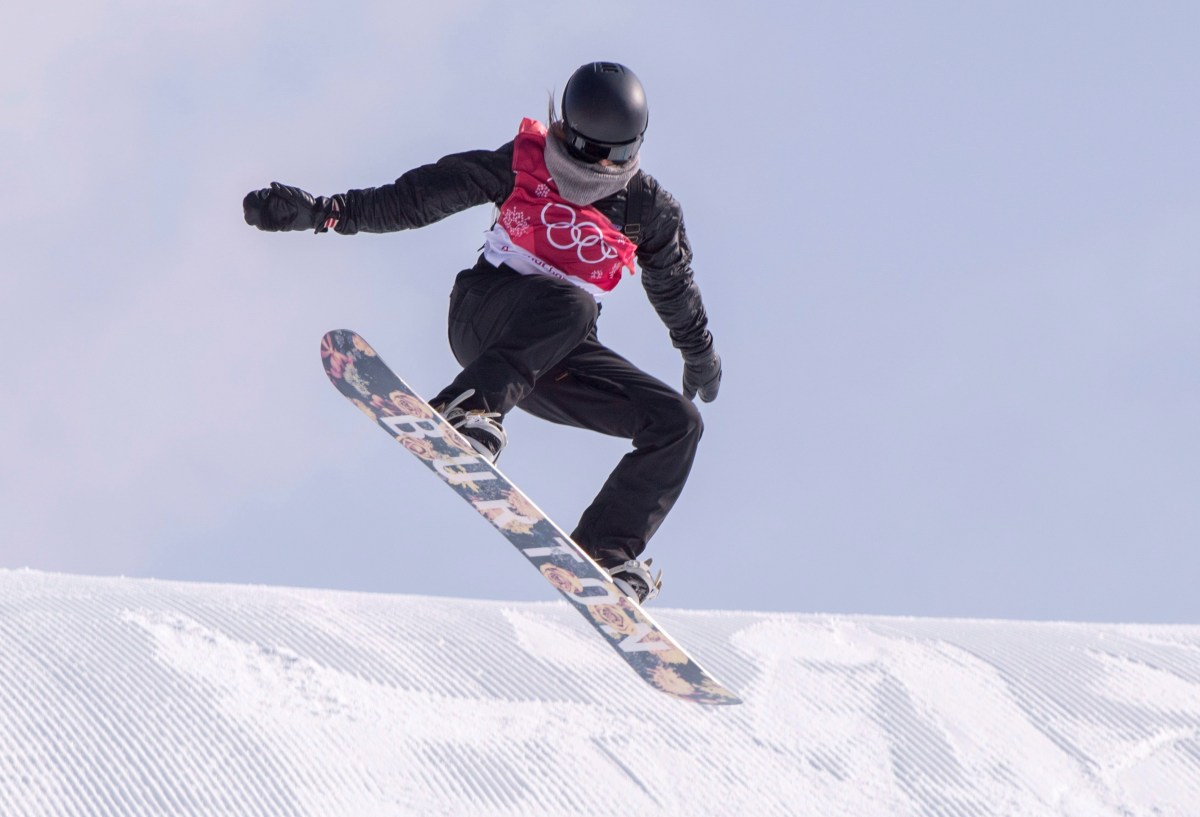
(702, 375)
(280, 207)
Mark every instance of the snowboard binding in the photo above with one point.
(481, 428)
(635, 580)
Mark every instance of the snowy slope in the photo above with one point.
(135, 697)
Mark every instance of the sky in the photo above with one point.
(950, 254)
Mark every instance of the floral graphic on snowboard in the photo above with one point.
(358, 373)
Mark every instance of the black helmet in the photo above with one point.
(604, 112)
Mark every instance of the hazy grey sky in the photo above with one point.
(951, 254)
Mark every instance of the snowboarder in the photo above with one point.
(575, 210)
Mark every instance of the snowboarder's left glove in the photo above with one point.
(702, 376)
(280, 207)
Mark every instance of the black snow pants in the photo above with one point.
(530, 341)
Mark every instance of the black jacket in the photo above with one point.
(431, 192)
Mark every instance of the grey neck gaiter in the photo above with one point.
(582, 183)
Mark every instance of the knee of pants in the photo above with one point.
(678, 419)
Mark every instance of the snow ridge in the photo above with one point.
(137, 697)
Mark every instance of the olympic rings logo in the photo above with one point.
(584, 237)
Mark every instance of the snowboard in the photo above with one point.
(364, 379)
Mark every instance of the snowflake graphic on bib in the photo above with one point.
(515, 222)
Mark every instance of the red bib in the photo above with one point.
(540, 233)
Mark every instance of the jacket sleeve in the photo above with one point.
(665, 257)
(430, 193)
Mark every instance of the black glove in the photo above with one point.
(280, 207)
(702, 375)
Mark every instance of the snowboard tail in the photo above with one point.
(364, 379)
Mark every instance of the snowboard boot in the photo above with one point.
(481, 428)
(635, 580)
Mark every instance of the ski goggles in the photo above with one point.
(587, 150)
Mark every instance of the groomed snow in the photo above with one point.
(143, 698)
